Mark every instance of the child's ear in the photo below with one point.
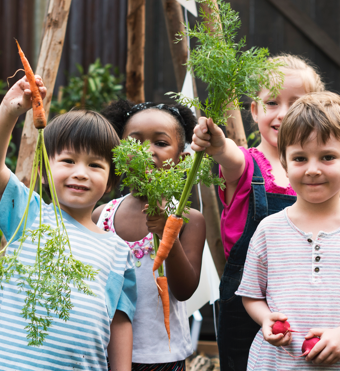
(253, 109)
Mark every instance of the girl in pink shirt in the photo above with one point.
(257, 186)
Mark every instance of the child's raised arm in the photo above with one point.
(15, 103)
(209, 137)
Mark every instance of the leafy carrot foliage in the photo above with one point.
(133, 159)
(47, 284)
(222, 63)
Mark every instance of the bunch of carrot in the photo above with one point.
(47, 282)
(134, 159)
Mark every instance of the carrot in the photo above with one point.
(39, 118)
(172, 228)
(163, 292)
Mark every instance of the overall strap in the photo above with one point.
(259, 193)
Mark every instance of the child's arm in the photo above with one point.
(183, 265)
(120, 347)
(16, 102)
(327, 350)
(209, 137)
(261, 314)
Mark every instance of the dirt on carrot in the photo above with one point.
(39, 118)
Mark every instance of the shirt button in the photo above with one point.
(309, 240)
(317, 247)
(317, 259)
(317, 269)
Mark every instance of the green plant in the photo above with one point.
(3, 87)
(228, 69)
(92, 90)
(134, 159)
(46, 283)
(11, 157)
(253, 139)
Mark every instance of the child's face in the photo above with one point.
(160, 129)
(314, 169)
(276, 108)
(80, 179)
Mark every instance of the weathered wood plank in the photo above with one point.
(306, 25)
(135, 53)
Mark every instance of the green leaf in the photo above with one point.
(134, 159)
(222, 63)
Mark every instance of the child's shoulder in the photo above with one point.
(273, 223)
(195, 217)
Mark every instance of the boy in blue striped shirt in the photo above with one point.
(79, 146)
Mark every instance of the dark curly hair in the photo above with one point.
(119, 113)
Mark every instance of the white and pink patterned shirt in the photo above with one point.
(150, 339)
(298, 276)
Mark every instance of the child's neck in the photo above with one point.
(316, 217)
(271, 154)
(83, 217)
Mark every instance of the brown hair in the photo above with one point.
(308, 72)
(314, 112)
(83, 130)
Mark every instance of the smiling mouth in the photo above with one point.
(80, 188)
(276, 128)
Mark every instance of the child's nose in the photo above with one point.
(313, 169)
(282, 112)
(80, 172)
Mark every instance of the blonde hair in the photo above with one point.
(309, 73)
(314, 112)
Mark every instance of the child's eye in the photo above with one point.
(271, 103)
(96, 165)
(328, 158)
(68, 160)
(161, 144)
(299, 159)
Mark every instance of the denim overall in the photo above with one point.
(236, 330)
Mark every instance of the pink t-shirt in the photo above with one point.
(234, 215)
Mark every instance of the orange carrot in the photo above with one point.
(39, 118)
(162, 284)
(172, 228)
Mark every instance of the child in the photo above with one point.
(78, 145)
(298, 277)
(256, 187)
(167, 128)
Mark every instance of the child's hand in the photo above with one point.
(155, 223)
(18, 99)
(209, 137)
(327, 350)
(267, 330)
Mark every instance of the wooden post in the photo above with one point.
(48, 64)
(179, 51)
(135, 51)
